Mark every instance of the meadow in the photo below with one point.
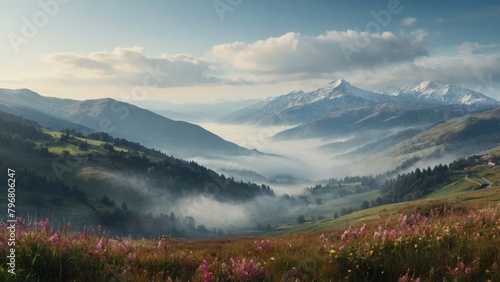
(439, 242)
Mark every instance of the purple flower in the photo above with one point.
(54, 239)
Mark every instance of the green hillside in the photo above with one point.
(98, 179)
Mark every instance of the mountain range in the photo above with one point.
(119, 119)
(368, 122)
(300, 107)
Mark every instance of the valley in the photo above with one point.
(285, 179)
(249, 141)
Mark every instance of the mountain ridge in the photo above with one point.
(120, 119)
(298, 107)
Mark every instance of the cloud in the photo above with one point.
(480, 72)
(130, 66)
(475, 48)
(293, 53)
(440, 20)
(409, 21)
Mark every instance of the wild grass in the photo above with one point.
(440, 243)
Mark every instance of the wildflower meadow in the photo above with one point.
(441, 245)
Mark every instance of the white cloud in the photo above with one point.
(130, 66)
(409, 21)
(378, 60)
(293, 53)
(475, 48)
(440, 20)
(479, 72)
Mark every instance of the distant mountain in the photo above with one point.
(194, 112)
(300, 107)
(28, 104)
(373, 118)
(121, 120)
(437, 93)
(459, 136)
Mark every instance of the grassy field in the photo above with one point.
(454, 238)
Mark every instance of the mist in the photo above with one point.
(288, 167)
(306, 160)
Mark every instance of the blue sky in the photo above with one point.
(204, 50)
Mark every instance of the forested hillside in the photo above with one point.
(51, 173)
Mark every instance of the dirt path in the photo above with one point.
(487, 181)
(475, 182)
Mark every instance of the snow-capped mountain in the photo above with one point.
(340, 88)
(300, 107)
(438, 93)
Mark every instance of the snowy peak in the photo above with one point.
(299, 106)
(389, 90)
(342, 89)
(447, 94)
(339, 82)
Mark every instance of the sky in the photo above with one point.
(206, 50)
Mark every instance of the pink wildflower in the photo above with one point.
(393, 234)
(100, 246)
(54, 239)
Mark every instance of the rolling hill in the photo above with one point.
(121, 120)
(68, 176)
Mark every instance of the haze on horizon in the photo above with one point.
(202, 51)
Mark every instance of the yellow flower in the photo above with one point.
(416, 246)
(332, 251)
(371, 253)
(396, 244)
(349, 270)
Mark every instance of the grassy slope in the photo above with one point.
(460, 193)
(432, 253)
(88, 178)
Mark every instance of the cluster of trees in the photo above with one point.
(17, 133)
(302, 219)
(67, 138)
(177, 176)
(24, 128)
(123, 221)
(121, 142)
(40, 191)
(347, 186)
(418, 183)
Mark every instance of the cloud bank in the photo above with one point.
(294, 53)
(369, 60)
(131, 66)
